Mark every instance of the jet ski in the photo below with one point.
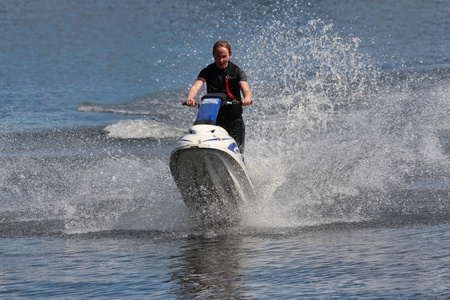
(208, 168)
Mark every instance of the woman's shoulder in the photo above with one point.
(205, 72)
(212, 66)
(233, 64)
(235, 70)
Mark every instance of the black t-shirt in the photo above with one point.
(215, 83)
(215, 78)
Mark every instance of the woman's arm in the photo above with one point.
(196, 86)
(245, 88)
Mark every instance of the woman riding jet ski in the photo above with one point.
(207, 164)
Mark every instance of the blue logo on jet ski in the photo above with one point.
(233, 147)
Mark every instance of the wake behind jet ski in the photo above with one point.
(208, 168)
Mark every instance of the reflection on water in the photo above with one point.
(210, 267)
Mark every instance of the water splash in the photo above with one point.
(334, 139)
(124, 194)
(147, 128)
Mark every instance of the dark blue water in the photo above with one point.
(348, 145)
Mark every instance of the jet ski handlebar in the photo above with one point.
(233, 102)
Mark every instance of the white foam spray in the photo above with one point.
(333, 139)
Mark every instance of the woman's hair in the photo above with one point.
(222, 43)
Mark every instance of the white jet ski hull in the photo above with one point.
(207, 168)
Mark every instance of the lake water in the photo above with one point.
(348, 145)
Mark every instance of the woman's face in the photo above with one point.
(221, 57)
